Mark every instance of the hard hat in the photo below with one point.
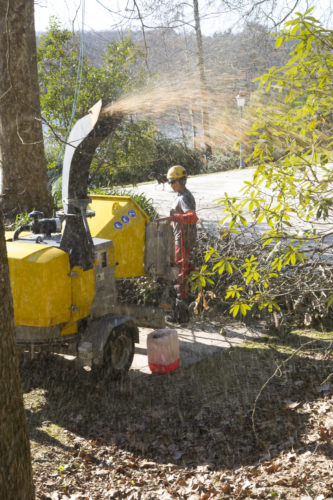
(176, 172)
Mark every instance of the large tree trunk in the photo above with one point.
(22, 162)
(203, 82)
(15, 464)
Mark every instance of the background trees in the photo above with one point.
(58, 58)
(136, 147)
(169, 48)
(172, 61)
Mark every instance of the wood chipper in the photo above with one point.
(63, 270)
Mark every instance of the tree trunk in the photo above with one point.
(15, 463)
(203, 82)
(179, 115)
(192, 101)
(23, 176)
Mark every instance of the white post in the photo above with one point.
(240, 104)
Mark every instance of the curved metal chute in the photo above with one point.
(86, 135)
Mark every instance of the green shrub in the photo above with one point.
(220, 162)
(145, 203)
(159, 157)
(170, 153)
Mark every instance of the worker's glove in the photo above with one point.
(189, 217)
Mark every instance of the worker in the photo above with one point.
(184, 226)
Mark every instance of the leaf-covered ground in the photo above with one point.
(222, 428)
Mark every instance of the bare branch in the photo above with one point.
(143, 34)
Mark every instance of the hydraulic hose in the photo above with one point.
(25, 227)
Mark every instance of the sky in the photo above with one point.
(98, 18)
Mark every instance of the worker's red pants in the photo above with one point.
(185, 266)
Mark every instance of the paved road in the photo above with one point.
(206, 190)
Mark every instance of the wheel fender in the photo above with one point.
(98, 333)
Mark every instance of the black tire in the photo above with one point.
(118, 354)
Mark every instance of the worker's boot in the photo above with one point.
(180, 314)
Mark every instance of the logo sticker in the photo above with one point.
(118, 225)
(132, 213)
(125, 219)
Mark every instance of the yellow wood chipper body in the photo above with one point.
(63, 270)
(120, 219)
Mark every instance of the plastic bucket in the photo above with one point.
(163, 351)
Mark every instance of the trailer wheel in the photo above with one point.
(118, 354)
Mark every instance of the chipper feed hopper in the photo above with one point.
(63, 270)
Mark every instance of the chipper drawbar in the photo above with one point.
(63, 270)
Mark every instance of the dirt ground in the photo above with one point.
(251, 421)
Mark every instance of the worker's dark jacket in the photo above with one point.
(183, 203)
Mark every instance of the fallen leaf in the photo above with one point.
(226, 487)
(271, 468)
(292, 404)
(325, 434)
(102, 472)
(246, 485)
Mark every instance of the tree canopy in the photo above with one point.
(289, 200)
